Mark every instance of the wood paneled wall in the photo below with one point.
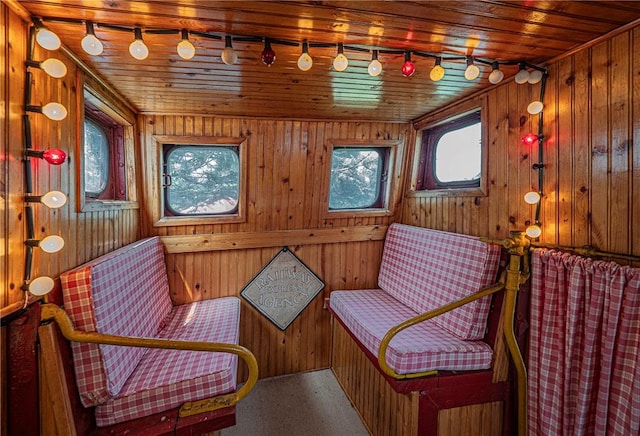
(87, 234)
(591, 156)
(287, 170)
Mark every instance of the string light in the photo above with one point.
(90, 43)
(523, 75)
(496, 75)
(54, 111)
(535, 76)
(137, 48)
(304, 61)
(340, 62)
(437, 72)
(408, 68)
(529, 139)
(531, 197)
(52, 199)
(53, 156)
(185, 48)
(268, 56)
(534, 231)
(375, 67)
(535, 107)
(47, 39)
(229, 55)
(53, 67)
(472, 72)
(50, 244)
(39, 286)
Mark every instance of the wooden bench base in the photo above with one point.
(476, 407)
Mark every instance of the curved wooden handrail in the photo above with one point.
(53, 312)
(382, 351)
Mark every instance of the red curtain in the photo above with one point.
(584, 349)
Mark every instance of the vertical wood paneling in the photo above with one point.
(591, 156)
(87, 234)
(288, 168)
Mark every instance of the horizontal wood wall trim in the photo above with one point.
(248, 240)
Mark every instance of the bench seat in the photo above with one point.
(164, 379)
(126, 293)
(369, 314)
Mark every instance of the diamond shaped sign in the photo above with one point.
(283, 288)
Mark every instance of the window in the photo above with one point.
(201, 179)
(103, 163)
(357, 177)
(96, 158)
(451, 156)
(363, 178)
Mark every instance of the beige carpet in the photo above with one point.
(307, 404)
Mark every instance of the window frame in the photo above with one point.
(421, 151)
(390, 192)
(160, 219)
(122, 154)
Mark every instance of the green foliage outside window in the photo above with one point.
(203, 180)
(356, 175)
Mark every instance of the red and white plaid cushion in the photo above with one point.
(165, 379)
(126, 293)
(369, 314)
(426, 269)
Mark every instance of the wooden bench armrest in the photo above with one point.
(57, 314)
(382, 351)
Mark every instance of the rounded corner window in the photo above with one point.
(201, 180)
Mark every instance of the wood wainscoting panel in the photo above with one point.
(384, 411)
(477, 420)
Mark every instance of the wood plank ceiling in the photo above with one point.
(507, 31)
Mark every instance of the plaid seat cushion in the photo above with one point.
(369, 314)
(426, 269)
(126, 293)
(165, 379)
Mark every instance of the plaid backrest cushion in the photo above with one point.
(426, 269)
(125, 292)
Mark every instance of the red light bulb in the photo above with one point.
(408, 68)
(268, 55)
(529, 139)
(55, 156)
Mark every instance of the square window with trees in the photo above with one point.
(201, 180)
(363, 177)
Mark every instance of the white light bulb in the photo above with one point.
(531, 197)
(47, 39)
(533, 231)
(54, 111)
(92, 45)
(138, 49)
(472, 72)
(437, 73)
(535, 76)
(53, 199)
(375, 68)
(340, 63)
(522, 76)
(229, 56)
(305, 62)
(535, 107)
(51, 244)
(186, 50)
(41, 286)
(54, 67)
(496, 77)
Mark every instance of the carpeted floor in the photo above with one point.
(307, 404)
